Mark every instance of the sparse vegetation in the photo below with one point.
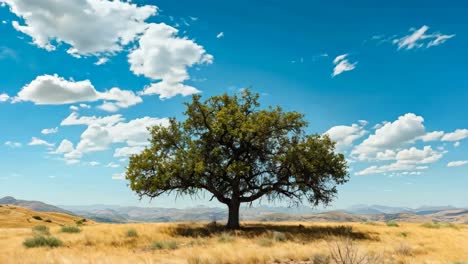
(70, 229)
(279, 236)
(438, 225)
(404, 249)
(42, 241)
(321, 259)
(346, 251)
(41, 229)
(392, 224)
(265, 242)
(158, 245)
(37, 217)
(226, 238)
(131, 233)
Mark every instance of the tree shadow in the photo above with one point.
(291, 232)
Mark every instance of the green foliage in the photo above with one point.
(42, 241)
(158, 245)
(70, 229)
(41, 229)
(230, 147)
(392, 224)
(438, 225)
(132, 233)
(37, 217)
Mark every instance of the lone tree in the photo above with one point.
(238, 152)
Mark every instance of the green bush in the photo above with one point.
(392, 224)
(37, 217)
(42, 241)
(70, 229)
(164, 245)
(41, 229)
(132, 233)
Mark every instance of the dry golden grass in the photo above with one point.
(197, 243)
(12, 216)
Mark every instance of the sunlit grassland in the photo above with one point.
(255, 243)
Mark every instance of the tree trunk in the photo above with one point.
(233, 220)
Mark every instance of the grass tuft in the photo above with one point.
(70, 229)
(392, 224)
(41, 229)
(161, 245)
(42, 241)
(131, 233)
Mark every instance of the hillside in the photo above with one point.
(12, 216)
(33, 205)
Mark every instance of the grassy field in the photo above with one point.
(257, 243)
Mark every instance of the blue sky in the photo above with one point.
(387, 81)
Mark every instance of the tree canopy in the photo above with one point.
(238, 152)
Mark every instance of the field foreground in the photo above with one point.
(257, 243)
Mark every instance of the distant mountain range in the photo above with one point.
(357, 213)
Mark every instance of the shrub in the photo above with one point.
(392, 224)
(279, 236)
(37, 217)
(404, 249)
(70, 229)
(42, 241)
(48, 221)
(132, 233)
(346, 251)
(321, 259)
(265, 242)
(431, 225)
(225, 238)
(404, 234)
(41, 229)
(164, 245)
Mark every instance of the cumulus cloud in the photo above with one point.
(162, 55)
(88, 27)
(39, 142)
(419, 38)
(457, 135)
(47, 131)
(65, 146)
(395, 134)
(457, 163)
(432, 136)
(102, 132)
(4, 97)
(55, 90)
(344, 136)
(342, 65)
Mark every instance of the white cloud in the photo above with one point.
(93, 163)
(167, 90)
(397, 166)
(47, 131)
(457, 135)
(342, 65)
(418, 39)
(89, 27)
(74, 108)
(101, 61)
(128, 151)
(456, 144)
(163, 56)
(4, 97)
(102, 132)
(112, 165)
(457, 163)
(12, 144)
(432, 136)
(55, 90)
(65, 146)
(74, 119)
(39, 142)
(344, 136)
(220, 35)
(407, 128)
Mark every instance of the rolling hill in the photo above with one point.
(12, 216)
(33, 205)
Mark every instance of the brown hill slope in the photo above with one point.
(12, 216)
